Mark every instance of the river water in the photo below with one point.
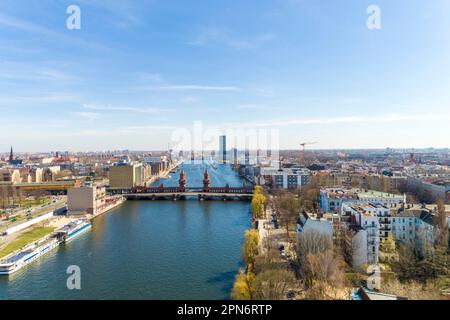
(148, 250)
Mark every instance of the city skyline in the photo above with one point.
(138, 71)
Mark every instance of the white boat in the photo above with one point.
(17, 260)
(73, 229)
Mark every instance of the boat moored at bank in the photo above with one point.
(19, 259)
(72, 230)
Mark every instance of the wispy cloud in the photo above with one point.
(27, 26)
(125, 14)
(89, 116)
(214, 37)
(16, 23)
(342, 120)
(122, 108)
(43, 98)
(146, 128)
(190, 88)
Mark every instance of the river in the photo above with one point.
(148, 250)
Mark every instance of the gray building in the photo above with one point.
(223, 149)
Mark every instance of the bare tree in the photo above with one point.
(269, 260)
(350, 246)
(272, 284)
(412, 290)
(312, 242)
(441, 229)
(288, 207)
(323, 275)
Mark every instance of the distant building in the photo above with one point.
(381, 211)
(157, 164)
(235, 156)
(127, 176)
(331, 199)
(223, 149)
(10, 175)
(13, 161)
(287, 178)
(311, 223)
(365, 224)
(356, 247)
(89, 200)
(414, 227)
(433, 188)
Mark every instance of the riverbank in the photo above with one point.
(111, 203)
(164, 174)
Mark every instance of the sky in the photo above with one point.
(140, 74)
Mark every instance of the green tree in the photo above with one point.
(258, 202)
(241, 288)
(250, 249)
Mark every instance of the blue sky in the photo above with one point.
(138, 70)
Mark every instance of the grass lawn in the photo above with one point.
(26, 238)
(35, 202)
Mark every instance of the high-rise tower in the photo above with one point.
(223, 149)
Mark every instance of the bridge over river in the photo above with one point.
(182, 192)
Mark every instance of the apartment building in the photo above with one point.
(308, 222)
(89, 200)
(127, 175)
(414, 227)
(331, 199)
(366, 228)
(286, 178)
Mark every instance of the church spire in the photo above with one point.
(11, 154)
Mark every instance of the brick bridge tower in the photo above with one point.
(182, 181)
(206, 181)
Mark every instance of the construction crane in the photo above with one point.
(303, 144)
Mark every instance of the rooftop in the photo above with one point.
(378, 194)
